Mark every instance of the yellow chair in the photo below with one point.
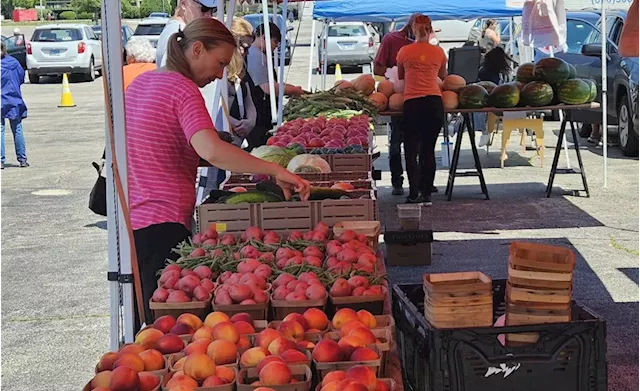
(535, 124)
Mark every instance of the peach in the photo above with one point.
(180, 379)
(327, 351)
(130, 360)
(178, 365)
(363, 354)
(190, 319)
(333, 376)
(265, 337)
(164, 323)
(182, 329)
(275, 373)
(354, 386)
(169, 343)
(364, 334)
(215, 317)
(182, 387)
(204, 332)
(363, 375)
(349, 344)
(243, 344)
(222, 352)
(131, 348)
(124, 379)
(316, 319)
(331, 386)
(101, 379)
(244, 327)
(293, 356)
(178, 297)
(148, 337)
(197, 346)
(381, 386)
(280, 345)
(342, 317)
(349, 326)
(225, 330)
(367, 318)
(213, 381)
(305, 345)
(101, 389)
(263, 389)
(267, 360)
(315, 292)
(152, 359)
(106, 361)
(297, 318)
(199, 366)
(292, 330)
(253, 356)
(228, 375)
(241, 316)
(148, 381)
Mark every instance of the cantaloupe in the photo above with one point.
(449, 100)
(453, 83)
(364, 84)
(386, 87)
(379, 100)
(396, 101)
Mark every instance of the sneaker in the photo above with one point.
(413, 200)
(434, 189)
(397, 190)
(24, 164)
(592, 140)
(484, 140)
(1, 166)
(426, 201)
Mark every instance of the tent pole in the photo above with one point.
(325, 66)
(561, 114)
(267, 37)
(224, 86)
(313, 41)
(604, 129)
(283, 42)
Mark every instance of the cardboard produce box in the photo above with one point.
(408, 248)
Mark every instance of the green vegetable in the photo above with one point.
(252, 196)
(325, 193)
(278, 155)
(270, 187)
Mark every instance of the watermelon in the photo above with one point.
(520, 84)
(505, 95)
(472, 96)
(487, 85)
(536, 94)
(553, 70)
(573, 91)
(594, 90)
(525, 72)
(572, 71)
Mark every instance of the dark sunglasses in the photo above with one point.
(204, 9)
(246, 41)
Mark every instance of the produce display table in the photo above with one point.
(468, 125)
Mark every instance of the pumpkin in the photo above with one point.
(453, 83)
(364, 84)
(449, 100)
(386, 87)
(396, 101)
(379, 100)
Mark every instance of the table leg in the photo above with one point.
(574, 133)
(454, 165)
(556, 156)
(476, 158)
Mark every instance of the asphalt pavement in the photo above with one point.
(55, 315)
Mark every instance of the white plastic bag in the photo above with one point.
(392, 75)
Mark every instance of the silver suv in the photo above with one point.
(349, 43)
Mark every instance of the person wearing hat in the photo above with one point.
(20, 41)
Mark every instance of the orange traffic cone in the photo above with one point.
(66, 100)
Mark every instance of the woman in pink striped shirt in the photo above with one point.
(168, 130)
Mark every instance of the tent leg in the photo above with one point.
(313, 41)
(267, 36)
(604, 129)
(283, 41)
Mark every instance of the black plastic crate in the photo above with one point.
(568, 356)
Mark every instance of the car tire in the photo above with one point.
(628, 138)
(584, 130)
(34, 79)
(91, 75)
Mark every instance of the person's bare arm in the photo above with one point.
(629, 37)
(226, 156)
(493, 35)
(379, 70)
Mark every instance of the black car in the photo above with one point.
(584, 41)
(127, 33)
(17, 48)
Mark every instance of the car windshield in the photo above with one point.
(61, 34)
(97, 30)
(577, 34)
(149, 29)
(399, 26)
(347, 30)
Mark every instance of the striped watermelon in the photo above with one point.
(573, 91)
(524, 73)
(487, 85)
(504, 95)
(572, 71)
(536, 94)
(553, 70)
(472, 96)
(594, 90)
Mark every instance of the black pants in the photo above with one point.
(153, 247)
(422, 122)
(395, 153)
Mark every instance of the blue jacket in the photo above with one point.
(12, 76)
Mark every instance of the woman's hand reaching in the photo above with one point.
(291, 183)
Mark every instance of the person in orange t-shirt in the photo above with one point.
(140, 59)
(419, 66)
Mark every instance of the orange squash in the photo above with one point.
(386, 87)
(396, 101)
(449, 100)
(453, 83)
(364, 84)
(379, 100)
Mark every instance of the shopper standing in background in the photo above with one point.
(13, 107)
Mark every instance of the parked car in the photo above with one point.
(63, 48)
(158, 15)
(584, 41)
(151, 28)
(127, 33)
(257, 19)
(17, 48)
(349, 43)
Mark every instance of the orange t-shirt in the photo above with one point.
(131, 71)
(422, 62)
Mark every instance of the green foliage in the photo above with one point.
(86, 15)
(7, 8)
(149, 6)
(23, 3)
(67, 15)
(92, 6)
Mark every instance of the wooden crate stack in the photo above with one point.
(539, 287)
(458, 300)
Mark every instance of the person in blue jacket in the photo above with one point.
(13, 106)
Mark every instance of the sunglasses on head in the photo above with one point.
(204, 9)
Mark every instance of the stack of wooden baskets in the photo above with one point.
(457, 300)
(539, 287)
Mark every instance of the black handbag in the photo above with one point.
(98, 195)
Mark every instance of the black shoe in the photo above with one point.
(2, 166)
(24, 164)
(397, 190)
(434, 189)
(413, 200)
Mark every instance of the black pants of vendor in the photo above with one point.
(422, 122)
(395, 153)
(153, 248)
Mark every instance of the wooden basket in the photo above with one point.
(282, 308)
(225, 387)
(542, 257)
(518, 315)
(371, 303)
(198, 308)
(322, 368)
(371, 229)
(465, 282)
(87, 387)
(517, 293)
(302, 373)
(391, 384)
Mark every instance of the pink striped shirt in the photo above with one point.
(164, 110)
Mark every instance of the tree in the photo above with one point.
(23, 4)
(90, 6)
(7, 8)
(149, 6)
